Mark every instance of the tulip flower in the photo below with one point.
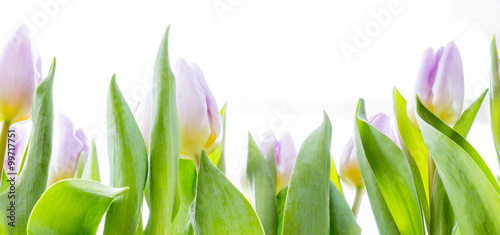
(440, 84)
(284, 154)
(15, 153)
(68, 144)
(350, 173)
(199, 117)
(19, 74)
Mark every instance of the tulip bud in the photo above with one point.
(440, 84)
(349, 167)
(284, 154)
(68, 144)
(199, 117)
(15, 151)
(19, 76)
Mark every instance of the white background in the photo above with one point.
(278, 64)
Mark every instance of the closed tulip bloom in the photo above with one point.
(284, 154)
(68, 143)
(199, 117)
(440, 84)
(19, 76)
(349, 167)
(142, 116)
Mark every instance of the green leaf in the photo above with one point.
(306, 208)
(416, 153)
(128, 164)
(261, 188)
(442, 215)
(187, 178)
(221, 163)
(91, 171)
(165, 145)
(342, 220)
(21, 166)
(271, 165)
(467, 118)
(334, 176)
(281, 200)
(388, 179)
(80, 165)
(32, 181)
(72, 206)
(472, 189)
(219, 207)
(495, 97)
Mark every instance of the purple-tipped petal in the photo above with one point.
(17, 77)
(212, 111)
(448, 89)
(192, 110)
(66, 149)
(285, 160)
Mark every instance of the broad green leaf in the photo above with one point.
(466, 178)
(80, 165)
(281, 200)
(342, 220)
(32, 181)
(219, 207)
(5, 181)
(261, 188)
(334, 176)
(442, 215)
(128, 164)
(308, 196)
(187, 178)
(91, 171)
(459, 140)
(495, 96)
(416, 153)
(388, 179)
(165, 146)
(72, 206)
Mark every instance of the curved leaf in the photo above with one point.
(495, 97)
(307, 201)
(388, 179)
(219, 207)
(165, 146)
(128, 164)
(187, 178)
(465, 176)
(342, 220)
(73, 206)
(261, 187)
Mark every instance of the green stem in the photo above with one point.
(3, 142)
(357, 201)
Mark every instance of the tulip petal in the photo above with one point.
(192, 110)
(285, 159)
(22, 136)
(142, 116)
(212, 111)
(66, 150)
(17, 75)
(448, 89)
